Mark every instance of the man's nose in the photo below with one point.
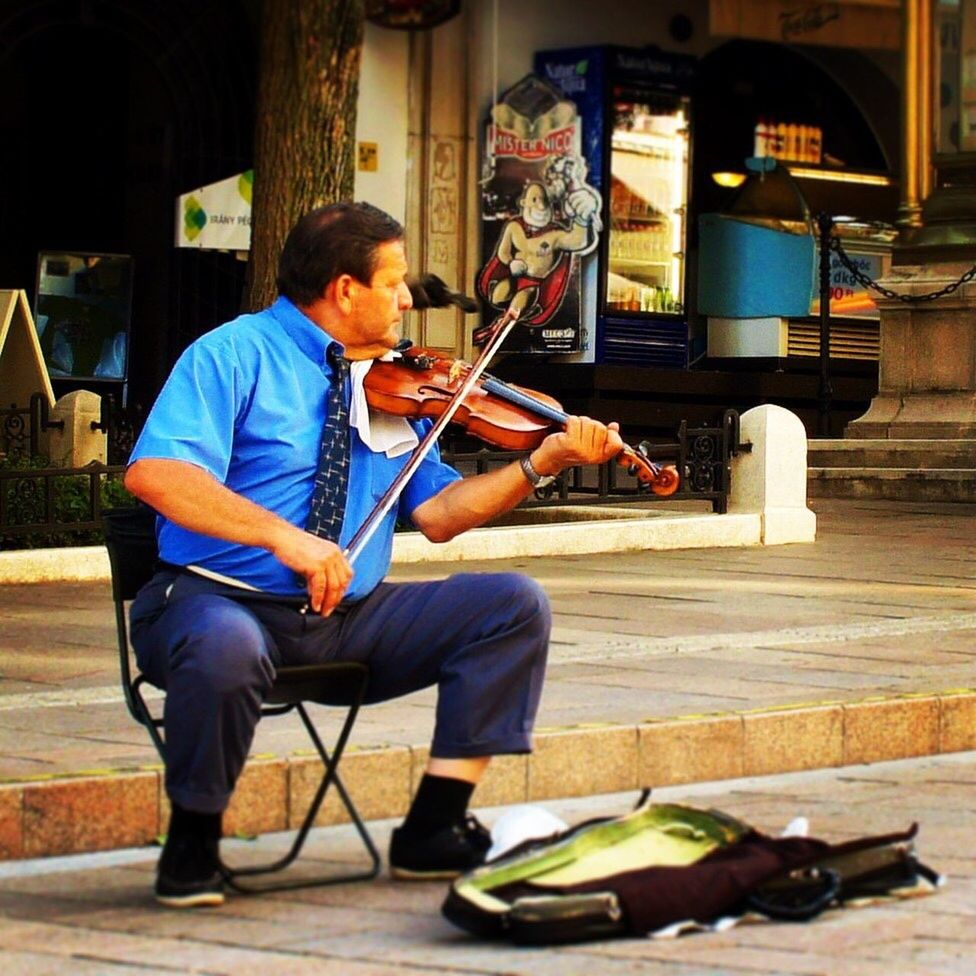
(404, 298)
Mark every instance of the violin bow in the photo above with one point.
(392, 494)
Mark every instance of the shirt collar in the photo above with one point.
(309, 337)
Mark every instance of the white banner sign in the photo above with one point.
(216, 216)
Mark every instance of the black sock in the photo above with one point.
(191, 854)
(440, 802)
(206, 826)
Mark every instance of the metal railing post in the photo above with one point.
(825, 394)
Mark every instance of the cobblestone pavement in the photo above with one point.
(93, 914)
(884, 603)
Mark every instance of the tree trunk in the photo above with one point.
(306, 124)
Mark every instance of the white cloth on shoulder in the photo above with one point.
(379, 431)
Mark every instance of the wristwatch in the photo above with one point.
(534, 478)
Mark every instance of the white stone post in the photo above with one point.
(771, 479)
(77, 445)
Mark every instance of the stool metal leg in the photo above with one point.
(330, 775)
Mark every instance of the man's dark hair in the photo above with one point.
(339, 239)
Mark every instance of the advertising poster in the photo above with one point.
(848, 297)
(216, 216)
(540, 216)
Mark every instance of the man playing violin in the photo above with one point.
(229, 458)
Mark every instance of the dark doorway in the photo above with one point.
(852, 101)
(111, 108)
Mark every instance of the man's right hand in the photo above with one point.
(193, 498)
(326, 570)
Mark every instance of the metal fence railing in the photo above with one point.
(702, 456)
(56, 506)
(44, 505)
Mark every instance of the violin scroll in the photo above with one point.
(662, 479)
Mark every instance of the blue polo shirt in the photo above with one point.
(246, 403)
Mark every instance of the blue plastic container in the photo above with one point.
(748, 271)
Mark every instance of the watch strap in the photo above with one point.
(532, 476)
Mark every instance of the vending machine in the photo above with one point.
(635, 107)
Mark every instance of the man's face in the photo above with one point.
(378, 307)
(535, 206)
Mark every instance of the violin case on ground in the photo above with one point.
(664, 868)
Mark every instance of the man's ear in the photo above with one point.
(343, 291)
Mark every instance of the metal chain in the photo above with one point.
(861, 278)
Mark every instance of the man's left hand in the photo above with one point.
(584, 441)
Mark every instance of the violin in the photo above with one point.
(422, 383)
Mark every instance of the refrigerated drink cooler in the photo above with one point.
(636, 114)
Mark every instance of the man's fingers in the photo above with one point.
(335, 589)
(615, 443)
(595, 441)
(316, 590)
(572, 428)
(588, 441)
(338, 576)
(593, 436)
(327, 583)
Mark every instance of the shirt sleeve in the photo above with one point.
(432, 476)
(194, 416)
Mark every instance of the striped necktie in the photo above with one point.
(332, 476)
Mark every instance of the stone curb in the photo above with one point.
(115, 808)
(607, 530)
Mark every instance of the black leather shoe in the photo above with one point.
(189, 875)
(445, 854)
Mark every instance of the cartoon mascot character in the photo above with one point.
(531, 266)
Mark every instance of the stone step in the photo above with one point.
(106, 809)
(879, 453)
(893, 484)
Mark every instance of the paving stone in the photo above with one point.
(839, 932)
(41, 964)
(11, 822)
(787, 740)
(928, 955)
(259, 804)
(680, 752)
(783, 961)
(877, 731)
(378, 780)
(957, 728)
(504, 782)
(90, 814)
(439, 948)
(577, 762)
